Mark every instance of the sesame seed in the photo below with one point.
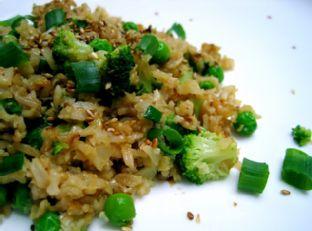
(197, 219)
(285, 192)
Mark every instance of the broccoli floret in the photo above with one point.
(207, 156)
(101, 44)
(301, 135)
(146, 82)
(67, 47)
(119, 65)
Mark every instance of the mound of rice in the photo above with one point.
(108, 151)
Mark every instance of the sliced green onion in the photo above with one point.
(34, 138)
(198, 103)
(152, 114)
(3, 196)
(297, 169)
(206, 85)
(87, 75)
(12, 55)
(148, 44)
(49, 221)
(54, 17)
(12, 163)
(177, 28)
(10, 21)
(58, 147)
(81, 23)
(153, 133)
(130, 26)
(22, 200)
(15, 22)
(11, 106)
(170, 141)
(101, 44)
(253, 176)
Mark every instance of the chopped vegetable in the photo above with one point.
(170, 141)
(12, 55)
(58, 147)
(87, 75)
(297, 169)
(253, 176)
(67, 47)
(178, 127)
(217, 72)
(207, 156)
(55, 17)
(11, 106)
(3, 196)
(34, 138)
(206, 85)
(162, 54)
(130, 26)
(187, 75)
(49, 221)
(245, 124)
(12, 163)
(81, 23)
(22, 200)
(119, 66)
(101, 44)
(152, 114)
(177, 29)
(10, 21)
(148, 44)
(9, 38)
(301, 135)
(119, 209)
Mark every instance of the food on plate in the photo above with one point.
(94, 110)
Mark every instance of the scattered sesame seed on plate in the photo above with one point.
(285, 192)
(190, 216)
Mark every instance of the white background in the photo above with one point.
(261, 37)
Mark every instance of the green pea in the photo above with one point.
(119, 209)
(49, 221)
(11, 106)
(162, 54)
(206, 85)
(3, 196)
(245, 124)
(130, 26)
(217, 72)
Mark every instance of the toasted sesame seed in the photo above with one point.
(190, 216)
(285, 192)
(197, 218)
(234, 204)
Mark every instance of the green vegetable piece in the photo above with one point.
(170, 141)
(207, 156)
(153, 133)
(11, 106)
(301, 135)
(55, 17)
(81, 23)
(188, 75)
(87, 75)
(162, 54)
(119, 209)
(253, 176)
(3, 196)
(22, 200)
(148, 44)
(101, 44)
(119, 66)
(67, 47)
(217, 72)
(58, 147)
(49, 221)
(34, 138)
(12, 55)
(152, 114)
(130, 26)
(297, 169)
(178, 127)
(245, 124)
(9, 38)
(177, 29)
(10, 21)
(206, 85)
(11, 164)
(44, 66)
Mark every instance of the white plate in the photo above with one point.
(271, 42)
